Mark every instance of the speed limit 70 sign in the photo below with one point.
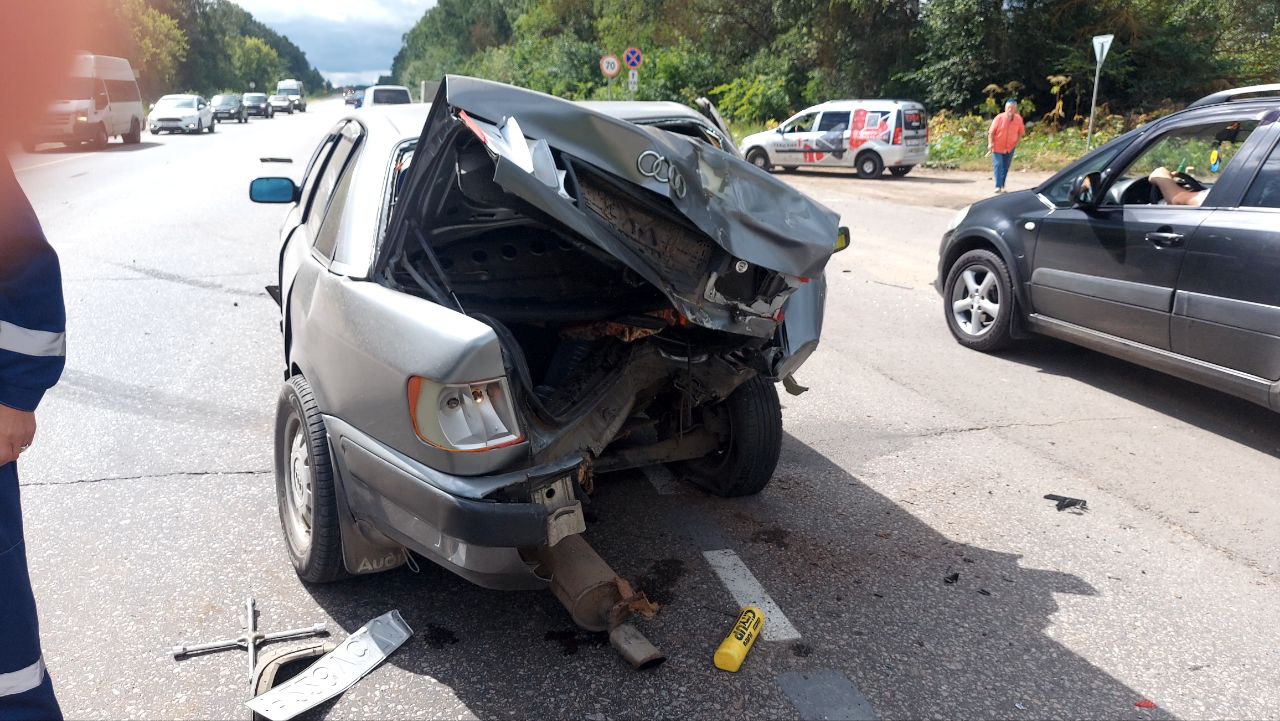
(610, 66)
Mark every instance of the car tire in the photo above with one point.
(306, 496)
(745, 465)
(99, 140)
(757, 156)
(900, 170)
(869, 165)
(212, 127)
(979, 280)
(134, 136)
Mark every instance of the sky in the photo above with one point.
(349, 41)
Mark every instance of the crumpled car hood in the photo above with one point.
(746, 211)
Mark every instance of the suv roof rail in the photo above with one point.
(1226, 96)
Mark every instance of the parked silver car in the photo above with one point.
(492, 300)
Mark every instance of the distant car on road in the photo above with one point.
(1097, 255)
(867, 135)
(349, 96)
(256, 104)
(280, 104)
(181, 114)
(229, 107)
(100, 99)
(385, 95)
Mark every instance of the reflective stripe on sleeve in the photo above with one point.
(21, 681)
(31, 342)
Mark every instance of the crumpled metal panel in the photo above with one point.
(748, 212)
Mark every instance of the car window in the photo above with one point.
(123, 91)
(334, 168)
(802, 124)
(1202, 151)
(833, 121)
(314, 167)
(1265, 190)
(391, 96)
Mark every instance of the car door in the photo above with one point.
(788, 149)
(832, 141)
(1112, 267)
(1226, 309)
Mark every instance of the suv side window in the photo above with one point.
(833, 120)
(1265, 190)
(1202, 151)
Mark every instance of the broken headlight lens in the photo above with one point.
(475, 416)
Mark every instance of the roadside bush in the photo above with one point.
(960, 142)
(752, 99)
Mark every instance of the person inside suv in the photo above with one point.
(1173, 193)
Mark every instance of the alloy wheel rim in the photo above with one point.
(298, 492)
(975, 300)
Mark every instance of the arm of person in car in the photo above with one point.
(1173, 193)
(32, 317)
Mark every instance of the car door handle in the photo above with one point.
(1164, 239)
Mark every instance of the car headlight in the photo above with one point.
(958, 218)
(82, 118)
(477, 416)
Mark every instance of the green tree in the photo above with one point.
(254, 61)
(153, 42)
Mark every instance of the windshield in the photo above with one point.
(174, 102)
(76, 89)
(224, 99)
(391, 96)
(294, 92)
(1058, 189)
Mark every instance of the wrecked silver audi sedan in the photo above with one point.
(489, 301)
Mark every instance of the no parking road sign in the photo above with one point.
(633, 58)
(610, 66)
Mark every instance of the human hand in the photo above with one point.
(17, 430)
(1161, 172)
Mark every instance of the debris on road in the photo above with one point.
(1144, 703)
(276, 661)
(984, 592)
(337, 671)
(735, 647)
(249, 640)
(1065, 502)
(951, 578)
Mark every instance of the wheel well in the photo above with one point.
(977, 242)
(867, 152)
(964, 245)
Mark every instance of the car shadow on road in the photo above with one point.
(112, 147)
(886, 177)
(1236, 419)
(924, 626)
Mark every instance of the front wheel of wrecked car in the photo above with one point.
(305, 492)
(751, 421)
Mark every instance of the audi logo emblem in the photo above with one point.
(652, 165)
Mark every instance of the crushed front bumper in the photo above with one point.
(455, 520)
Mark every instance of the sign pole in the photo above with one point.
(1101, 44)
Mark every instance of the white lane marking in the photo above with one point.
(51, 162)
(747, 591)
(664, 482)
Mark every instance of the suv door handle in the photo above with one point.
(1165, 240)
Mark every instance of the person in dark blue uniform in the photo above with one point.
(32, 351)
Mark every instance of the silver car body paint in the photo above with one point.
(336, 671)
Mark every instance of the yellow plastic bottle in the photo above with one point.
(734, 649)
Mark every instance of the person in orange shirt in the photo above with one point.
(1006, 130)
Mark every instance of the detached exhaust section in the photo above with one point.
(599, 600)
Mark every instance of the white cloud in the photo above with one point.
(355, 77)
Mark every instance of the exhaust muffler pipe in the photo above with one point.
(593, 594)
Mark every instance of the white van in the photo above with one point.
(868, 135)
(295, 92)
(99, 100)
(384, 95)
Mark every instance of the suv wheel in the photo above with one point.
(305, 491)
(869, 166)
(758, 158)
(752, 417)
(978, 301)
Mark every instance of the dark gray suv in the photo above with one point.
(1098, 257)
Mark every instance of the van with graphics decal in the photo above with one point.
(867, 135)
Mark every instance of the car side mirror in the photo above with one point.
(274, 190)
(843, 239)
(1084, 191)
(779, 130)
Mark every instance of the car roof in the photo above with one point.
(640, 110)
(851, 104)
(386, 87)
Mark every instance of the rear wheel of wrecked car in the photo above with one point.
(870, 165)
(304, 486)
(978, 301)
(758, 158)
(750, 420)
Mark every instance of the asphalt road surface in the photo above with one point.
(916, 569)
